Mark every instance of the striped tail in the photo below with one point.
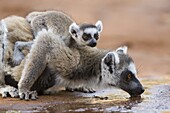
(3, 40)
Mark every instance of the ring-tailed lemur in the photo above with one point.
(61, 24)
(12, 29)
(17, 29)
(50, 62)
(20, 34)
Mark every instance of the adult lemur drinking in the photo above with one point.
(50, 62)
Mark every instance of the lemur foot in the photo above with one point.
(9, 90)
(26, 95)
(86, 90)
(81, 89)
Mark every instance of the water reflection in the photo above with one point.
(155, 99)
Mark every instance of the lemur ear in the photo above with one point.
(111, 58)
(122, 49)
(73, 29)
(99, 25)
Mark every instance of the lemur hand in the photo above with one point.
(27, 95)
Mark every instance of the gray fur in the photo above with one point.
(20, 31)
(59, 23)
(71, 67)
(18, 54)
(12, 29)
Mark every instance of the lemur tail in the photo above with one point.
(3, 44)
(3, 25)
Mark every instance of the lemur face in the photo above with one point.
(86, 34)
(118, 70)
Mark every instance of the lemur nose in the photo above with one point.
(142, 90)
(92, 44)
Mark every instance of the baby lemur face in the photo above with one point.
(118, 69)
(86, 34)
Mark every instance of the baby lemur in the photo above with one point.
(50, 62)
(61, 24)
(19, 32)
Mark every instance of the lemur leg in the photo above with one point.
(81, 89)
(51, 91)
(18, 55)
(5, 89)
(34, 66)
(44, 82)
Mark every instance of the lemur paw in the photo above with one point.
(70, 89)
(26, 95)
(81, 89)
(17, 61)
(86, 90)
(9, 90)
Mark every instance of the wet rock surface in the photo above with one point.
(156, 99)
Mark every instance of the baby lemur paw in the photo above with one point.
(81, 89)
(17, 61)
(9, 90)
(27, 95)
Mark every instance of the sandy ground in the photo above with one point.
(142, 25)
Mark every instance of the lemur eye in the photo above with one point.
(96, 36)
(86, 36)
(129, 76)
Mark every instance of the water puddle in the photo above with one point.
(156, 99)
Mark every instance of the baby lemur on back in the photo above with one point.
(19, 32)
(61, 24)
(52, 63)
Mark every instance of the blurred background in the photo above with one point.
(142, 25)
